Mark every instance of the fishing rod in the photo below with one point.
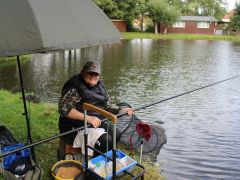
(182, 94)
(118, 116)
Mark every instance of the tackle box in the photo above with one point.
(102, 167)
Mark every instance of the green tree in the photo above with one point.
(234, 23)
(215, 8)
(161, 12)
(110, 8)
(176, 3)
(120, 9)
(141, 10)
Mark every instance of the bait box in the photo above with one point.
(102, 167)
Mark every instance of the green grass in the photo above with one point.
(143, 35)
(44, 123)
(13, 58)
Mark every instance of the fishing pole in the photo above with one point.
(182, 94)
(118, 116)
(178, 95)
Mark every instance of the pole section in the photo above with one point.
(29, 137)
(85, 140)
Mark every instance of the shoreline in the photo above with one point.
(171, 36)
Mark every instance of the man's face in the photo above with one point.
(91, 78)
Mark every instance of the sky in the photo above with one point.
(231, 4)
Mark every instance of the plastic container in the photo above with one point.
(102, 167)
(126, 161)
(106, 169)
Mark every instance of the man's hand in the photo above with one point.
(128, 110)
(75, 114)
(94, 121)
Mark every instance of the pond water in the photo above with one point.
(202, 127)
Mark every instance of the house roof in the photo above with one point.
(229, 15)
(198, 18)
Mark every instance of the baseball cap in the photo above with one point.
(92, 66)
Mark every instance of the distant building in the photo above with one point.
(120, 25)
(223, 24)
(226, 18)
(192, 25)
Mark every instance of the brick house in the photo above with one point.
(223, 24)
(192, 25)
(226, 18)
(120, 25)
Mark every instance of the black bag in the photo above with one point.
(21, 166)
(21, 169)
(6, 138)
(34, 174)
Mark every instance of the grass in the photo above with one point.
(13, 58)
(44, 123)
(143, 35)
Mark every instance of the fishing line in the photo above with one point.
(178, 95)
(182, 94)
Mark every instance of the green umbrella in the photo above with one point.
(32, 26)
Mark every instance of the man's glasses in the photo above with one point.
(93, 74)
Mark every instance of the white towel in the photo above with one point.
(93, 135)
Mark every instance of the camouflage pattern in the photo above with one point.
(69, 100)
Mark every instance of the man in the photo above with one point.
(87, 87)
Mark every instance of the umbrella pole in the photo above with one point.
(29, 138)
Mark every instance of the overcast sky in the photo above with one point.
(231, 4)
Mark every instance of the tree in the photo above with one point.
(120, 9)
(110, 8)
(161, 12)
(142, 9)
(215, 8)
(234, 23)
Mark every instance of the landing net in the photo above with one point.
(132, 140)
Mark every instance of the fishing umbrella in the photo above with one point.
(32, 26)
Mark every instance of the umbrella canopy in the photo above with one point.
(30, 26)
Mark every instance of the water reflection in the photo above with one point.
(202, 127)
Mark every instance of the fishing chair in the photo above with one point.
(67, 151)
(66, 146)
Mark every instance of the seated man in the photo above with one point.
(87, 87)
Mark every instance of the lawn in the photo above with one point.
(143, 35)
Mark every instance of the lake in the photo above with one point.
(202, 127)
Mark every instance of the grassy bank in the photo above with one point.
(44, 123)
(13, 58)
(143, 35)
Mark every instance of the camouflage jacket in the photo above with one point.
(71, 97)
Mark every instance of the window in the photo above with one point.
(203, 24)
(179, 24)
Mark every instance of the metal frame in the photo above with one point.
(113, 118)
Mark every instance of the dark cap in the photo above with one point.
(92, 66)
